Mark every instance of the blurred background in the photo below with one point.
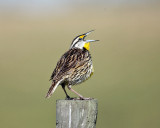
(33, 36)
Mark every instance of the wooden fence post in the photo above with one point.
(76, 113)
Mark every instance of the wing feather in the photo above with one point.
(68, 62)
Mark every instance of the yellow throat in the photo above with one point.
(87, 46)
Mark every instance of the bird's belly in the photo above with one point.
(82, 76)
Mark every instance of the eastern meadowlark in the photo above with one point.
(74, 67)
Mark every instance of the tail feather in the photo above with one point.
(53, 87)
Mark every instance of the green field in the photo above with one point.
(126, 60)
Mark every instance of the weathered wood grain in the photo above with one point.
(76, 113)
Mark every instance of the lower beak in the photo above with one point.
(91, 40)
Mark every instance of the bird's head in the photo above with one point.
(79, 41)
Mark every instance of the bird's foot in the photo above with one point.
(69, 98)
(83, 98)
(78, 98)
(86, 98)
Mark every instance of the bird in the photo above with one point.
(74, 67)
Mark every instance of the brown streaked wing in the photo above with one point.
(71, 59)
(59, 65)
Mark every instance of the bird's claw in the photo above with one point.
(84, 98)
(68, 98)
(79, 98)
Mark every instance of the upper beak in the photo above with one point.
(87, 33)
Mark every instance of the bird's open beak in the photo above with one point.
(85, 34)
(88, 34)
